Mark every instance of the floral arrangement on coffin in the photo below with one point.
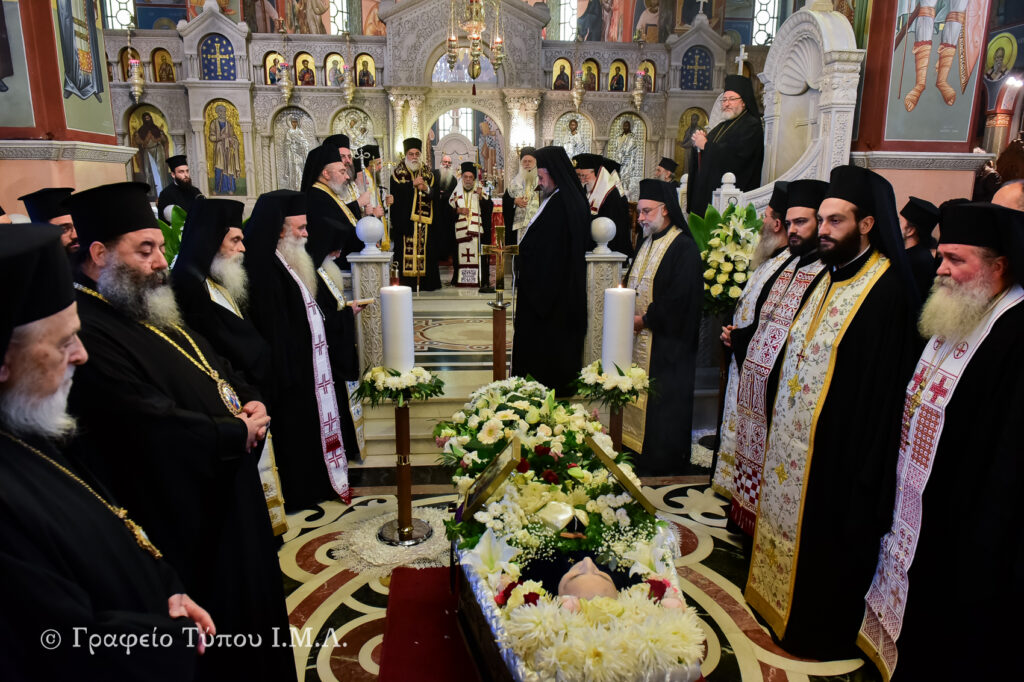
(382, 384)
(727, 243)
(559, 500)
(616, 389)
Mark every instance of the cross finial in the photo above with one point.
(702, 3)
(739, 59)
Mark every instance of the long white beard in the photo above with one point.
(333, 271)
(338, 187)
(293, 250)
(144, 298)
(412, 165)
(27, 414)
(768, 244)
(729, 115)
(447, 175)
(527, 178)
(230, 273)
(953, 310)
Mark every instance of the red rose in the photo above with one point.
(523, 466)
(572, 464)
(658, 587)
(502, 597)
(542, 450)
(531, 598)
(549, 476)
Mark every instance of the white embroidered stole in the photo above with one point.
(641, 279)
(602, 188)
(804, 381)
(326, 400)
(267, 464)
(467, 231)
(523, 214)
(886, 598)
(722, 479)
(355, 405)
(768, 342)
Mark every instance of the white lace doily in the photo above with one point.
(358, 549)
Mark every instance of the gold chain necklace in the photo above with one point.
(120, 512)
(225, 390)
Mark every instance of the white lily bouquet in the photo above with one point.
(727, 242)
(382, 384)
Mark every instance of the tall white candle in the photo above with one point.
(396, 318)
(617, 332)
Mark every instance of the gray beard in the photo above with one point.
(447, 175)
(768, 244)
(143, 298)
(412, 165)
(230, 274)
(953, 310)
(337, 187)
(293, 250)
(29, 415)
(729, 115)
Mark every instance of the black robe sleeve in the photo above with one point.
(616, 208)
(508, 210)
(740, 151)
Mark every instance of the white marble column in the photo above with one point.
(370, 272)
(604, 271)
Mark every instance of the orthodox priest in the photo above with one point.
(471, 212)
(171, 430)
(551, 270)
(283, 286)
(666, 276)
(964, 397)
(68, 560)
(666, 170)
(919, 219)
(181, 191)
(828, 476)
(417, 235)
(330, 201)
(47, 206)
(605, 200)
(736, 145)
(759, 345)
(212, 289)
(521, 198)
(769, 255)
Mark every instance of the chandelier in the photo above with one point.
(471, 16)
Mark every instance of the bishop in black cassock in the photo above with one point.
(418, 230)
(330, 195)
(67, 560)
(169, 426)
(278, 307)
(827, 485)
(960, 450)
(605, 201)
(736, 145)
(667, 278)
(181, 191)
(551, 305)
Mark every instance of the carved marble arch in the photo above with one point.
(810, 82)
(439, 106)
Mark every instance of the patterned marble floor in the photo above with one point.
(341, 613)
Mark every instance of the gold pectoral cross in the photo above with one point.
(500, 250)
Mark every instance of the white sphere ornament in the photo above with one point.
(602, 230)
(370, 230)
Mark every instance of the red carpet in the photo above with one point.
(422, 640)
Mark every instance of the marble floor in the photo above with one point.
(341, 613)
